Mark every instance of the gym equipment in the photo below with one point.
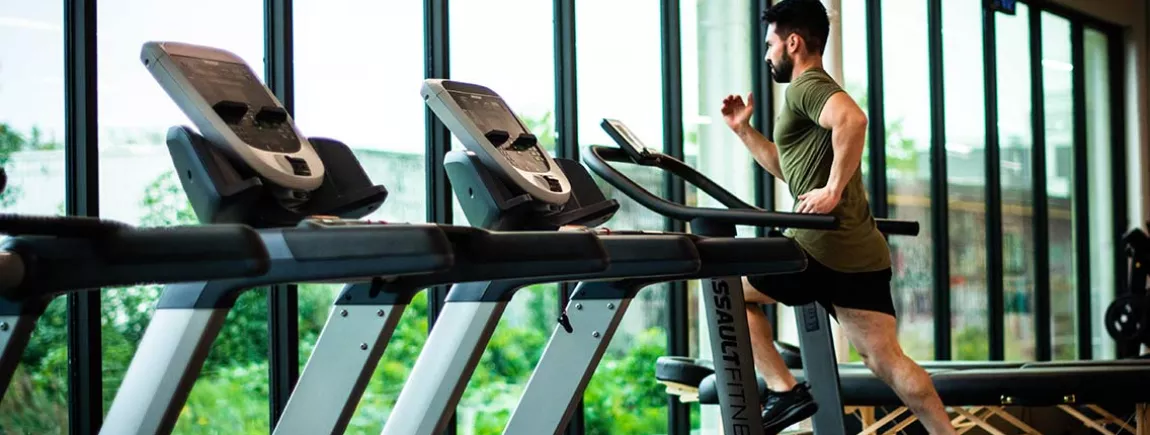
(303, 226)
(44, 257)
(1067, 385)
(726, 316)
(1127, 316)
(506, 181)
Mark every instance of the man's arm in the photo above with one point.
(847, 123)
(762, 149)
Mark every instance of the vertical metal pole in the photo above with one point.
(877, 131)
(1081, 192)
(678, 329)
(1118, 156)
(764, 122)
(939, 203)
(283, 300)
(993, 191)
(81, 150)
(1044, 347)
(567, 129)
(437, 57)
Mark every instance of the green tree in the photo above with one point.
(35, 400)
(12, 142)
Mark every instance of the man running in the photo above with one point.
(820, 134)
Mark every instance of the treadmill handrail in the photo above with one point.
(126, 255)
(738, 211)
(598, 156)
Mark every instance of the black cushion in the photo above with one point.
(686, 371)
(1089, 363)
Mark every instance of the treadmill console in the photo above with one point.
(226, 101)
(627, 140)
(487, 127)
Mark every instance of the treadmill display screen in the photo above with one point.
(629, 138)
(490, 113)
(242, 102)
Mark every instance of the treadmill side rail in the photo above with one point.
(339, 368)
(162, 372)
(570, 359)
(445, 365)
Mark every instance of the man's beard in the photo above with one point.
(782, 72)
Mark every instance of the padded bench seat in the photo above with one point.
(993, 387)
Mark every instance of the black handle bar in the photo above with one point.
(597, 160)
(738, 211)
(110, 254)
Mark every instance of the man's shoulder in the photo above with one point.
(812, 80)
(813, 77)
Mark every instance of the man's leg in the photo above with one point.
(875, 337)
(767, 359)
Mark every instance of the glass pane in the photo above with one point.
(621, 397)
(138, 185)
(715, 64)
(908, 138)
(1015, 144)
(1057, 75)
(524, 76)
(1098, 144)
(326, 34)
(856, 68)
(32, 154)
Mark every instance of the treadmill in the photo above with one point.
(44, 257)
(249, 164)
(734, 368)
(505, 180)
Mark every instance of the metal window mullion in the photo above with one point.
(567, 133)
(282, 300)
(82, 196)
(1118, 161)
(877, 131)
(437, 57)
(761, 83)
(678, 329)
(1041, 229)
(939, 205)
(1081, 193)
(996, 327)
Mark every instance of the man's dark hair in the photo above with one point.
(807, 18)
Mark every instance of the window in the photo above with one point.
(518, 63)
(1015, 143)
(138, 186)
(1057, 75)
(32, 154)
(381, 84)
(907, 98)
(715, 63)
(620, 397)
(1098, 145)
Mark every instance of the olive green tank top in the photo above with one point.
(806, 156)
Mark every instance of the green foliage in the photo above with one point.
(971, 344)
(624, 397)
(543, 127)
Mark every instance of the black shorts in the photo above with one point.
(818, 283)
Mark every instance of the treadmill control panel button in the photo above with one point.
(242, 102)
(298, 166)
(498, 137)
(552, 183)
(524, 141)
